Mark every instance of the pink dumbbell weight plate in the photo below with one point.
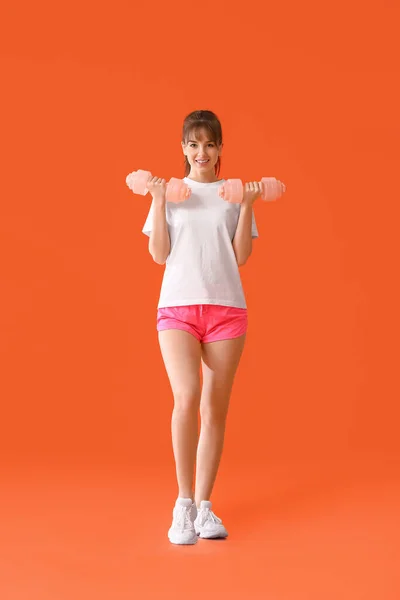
(137, 181)
(231, 191)
(177, 190)
(273, 188)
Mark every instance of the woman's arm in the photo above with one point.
(243, 242)
(159, 242)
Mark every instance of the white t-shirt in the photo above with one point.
(201, 267)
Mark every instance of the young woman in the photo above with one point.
(202, 315)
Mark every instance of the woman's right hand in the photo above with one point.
(157, 188)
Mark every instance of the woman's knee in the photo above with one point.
(213, 415)
(186, 401)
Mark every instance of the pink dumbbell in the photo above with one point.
(177, 189)
(232, 189)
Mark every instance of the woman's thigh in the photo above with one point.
(220, 361)
(181, 353)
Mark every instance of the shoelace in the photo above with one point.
(182, 517)
(208, 515)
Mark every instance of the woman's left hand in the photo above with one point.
(251, 191)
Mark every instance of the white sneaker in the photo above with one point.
(182, 529)
(207, 524)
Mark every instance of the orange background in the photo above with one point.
(306, 92)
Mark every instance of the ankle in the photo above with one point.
(198, 501)
(191, 496)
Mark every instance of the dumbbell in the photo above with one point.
(232, 189)
(177, 190)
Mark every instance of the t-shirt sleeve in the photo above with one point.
(254, 230)
(148, 225)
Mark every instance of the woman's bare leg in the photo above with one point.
(181, 353)
(220, 361)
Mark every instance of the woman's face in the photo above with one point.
(202, 153)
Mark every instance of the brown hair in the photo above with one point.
(202, 119)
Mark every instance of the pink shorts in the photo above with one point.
(207, 322)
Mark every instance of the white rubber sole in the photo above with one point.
(184, 539)
(210, 536)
